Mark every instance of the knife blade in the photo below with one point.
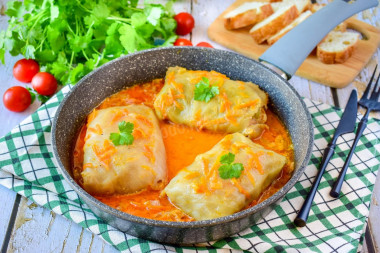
(346, 125)
(348, 121)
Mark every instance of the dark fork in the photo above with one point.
(371, 104)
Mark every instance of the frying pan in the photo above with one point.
(144, 66)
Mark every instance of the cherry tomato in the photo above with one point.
(17, 99)
(204, 44)
(44, 83)
(25, 69)
(185, 23)
(182, 42)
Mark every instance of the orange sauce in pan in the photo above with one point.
(182, 145)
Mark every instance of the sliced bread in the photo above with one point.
(274, 23)
(337, 47)
(316, 7)
(295, 22)
(302, 5)
(247, 14)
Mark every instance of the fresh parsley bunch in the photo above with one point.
(71, 38)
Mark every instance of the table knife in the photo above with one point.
(346, 125)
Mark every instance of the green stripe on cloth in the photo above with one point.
(28, 168)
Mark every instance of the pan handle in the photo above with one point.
(290, 51)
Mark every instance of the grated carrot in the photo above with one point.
(248, 104)
(104, 154)
(148, 168)
(117, 117)
(234, 149)
(214, 122)
(92, 116)
(226, 104)
(201, 187)
(250, 176)
(138, 133)
(191, 175)
(144, 120)
(88, 136)
(231, 118)
(240, 188)
(254, 161)
(149, 153)
(178, 86)
(197, 115)
(259, 167)
(226, 143)
(178, 105)
(97, 130)
(170, 77)
(87, 165)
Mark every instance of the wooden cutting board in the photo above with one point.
(333, 75)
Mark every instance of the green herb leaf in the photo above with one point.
(154, 14)
(227, 158)
(32, 94)
(54, 12)
(2, 56)
(29, 52)
(125, 136)
(71, 38)
(128, 38)
(228, 169)
(43, 99)
(204, 92)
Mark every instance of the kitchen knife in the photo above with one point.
(346, 125)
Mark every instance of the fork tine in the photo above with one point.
(369, 85)
(375, 94)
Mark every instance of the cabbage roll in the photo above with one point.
(199, 190)
(238, 106)
(122, 169)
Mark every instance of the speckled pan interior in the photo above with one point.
(145, 66)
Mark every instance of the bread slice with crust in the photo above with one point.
(274, 23)
(295, 22)
(247, 14)
(302, 5)
(337, 47)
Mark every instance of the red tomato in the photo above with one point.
(204, 44)
(25, 69)
(17, 99)
(182, 42)
(44, 83)
(185, 23)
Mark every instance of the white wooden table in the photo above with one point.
(25, 227)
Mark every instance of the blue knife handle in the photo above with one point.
(335, 191)
(303, 214)
(291, 50)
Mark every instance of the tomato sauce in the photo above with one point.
(182, 145)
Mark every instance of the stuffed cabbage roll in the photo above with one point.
(200, 191)
(227, 106)
(121, 169)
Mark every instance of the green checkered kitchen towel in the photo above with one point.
(28, 168)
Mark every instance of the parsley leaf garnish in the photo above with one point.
(204, 91)
(228, 169)
(125, 136)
